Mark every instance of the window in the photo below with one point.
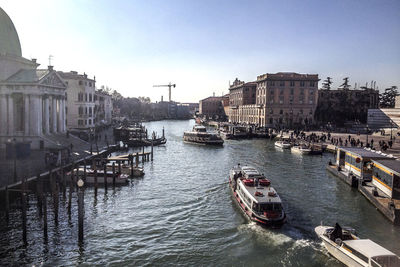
(272, 83)
(271, 111)
(291, 91)
(281, 99)
(302, 83)
(86, 97)
(90, 84)
(281, 92)
(80, 110)
(90, 110)
(301, 111)
(281, 83)
(312, 84)
(292, 83)
(281, 111)
(80, 82)
(90, 122)
(80, 122)
(311, 91)
(90, 97)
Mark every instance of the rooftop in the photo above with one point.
(287, 76)
(366, 153)
(28, 76)
(394, 165)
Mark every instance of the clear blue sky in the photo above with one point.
(202, 45)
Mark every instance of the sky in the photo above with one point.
(202, 45)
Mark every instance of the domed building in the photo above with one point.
(32, 100)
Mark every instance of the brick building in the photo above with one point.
(212, 107)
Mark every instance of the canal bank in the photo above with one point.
(182, 213)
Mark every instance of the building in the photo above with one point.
(32, 100)
(286, 99)
(345, 105)
(212, 107)
(80, 100)
(103, 108)
(242, 101)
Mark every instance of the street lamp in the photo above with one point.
(367, 134)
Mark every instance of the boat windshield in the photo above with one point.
(385, 261)
(268, 207)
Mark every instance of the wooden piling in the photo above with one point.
(64, 183)
(7, 204)
(71, 187)
(119, 167)
(53, 185)
(143, 157)
(39, 192)
(23, 202)
(45, 218)
(113, 173)
(95, 179)
(80, 214)
(137, 159)
(84, 171)
(105, 176)
(152, 150)
(131, 162)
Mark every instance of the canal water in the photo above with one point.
(182, 213)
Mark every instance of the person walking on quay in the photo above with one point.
(372, 142)
(390, 143)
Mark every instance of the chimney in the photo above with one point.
(34, 60)
(50, 68)
(162, 99)
(213, 93)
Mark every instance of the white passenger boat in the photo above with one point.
(300, 150)
(283, 144)
(255, 196)
(120, 179)
(199, 135)
(345, 246)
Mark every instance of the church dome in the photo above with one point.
(9, 41)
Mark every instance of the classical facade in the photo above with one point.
(283, 99)
(242, 100)
(80, 100)
(32, 100)
(103, 108)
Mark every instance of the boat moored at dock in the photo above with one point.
(301, 149)
(256, 198)
(199, 135)
(344, 245)
(283, 144)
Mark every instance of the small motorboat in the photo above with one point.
(344, 245)
(300, 149)
(283, 144)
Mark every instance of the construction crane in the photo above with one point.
(169, 88)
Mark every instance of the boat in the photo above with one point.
(239, 132)
(344, 245)
(283, 144)
(120, 178)
(301, 149)
(199, 135)
(255, 196)
(126, 169)
(157, 141)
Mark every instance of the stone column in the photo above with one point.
(39, 101)
(26, 115)
(46, 115)
(10, 122)
(59, 117)
(3, 115)
(54, 114)
(64, 128)
(33, 119)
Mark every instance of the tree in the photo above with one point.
(388, 98)
(116, 96)
(327, 83)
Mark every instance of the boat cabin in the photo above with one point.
(356, 160)
(386, 177)
(371, 253)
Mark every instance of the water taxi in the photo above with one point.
(283, 144)
(344, 245)
(255, 196)
(301, 149)
(199, 135)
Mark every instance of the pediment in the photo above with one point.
(52, 79)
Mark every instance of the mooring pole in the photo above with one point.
(137, 159)
(71, 187)
(23, 200)
(80, 184)
(105, 176)
(39, 192)
(113, 173)
(131, 162)
(7, 204)
(45, 216)
(152, 150)
(64, 183)
(143, 156)
(95, 178)
(119, 167)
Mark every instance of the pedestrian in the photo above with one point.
(390, 144)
